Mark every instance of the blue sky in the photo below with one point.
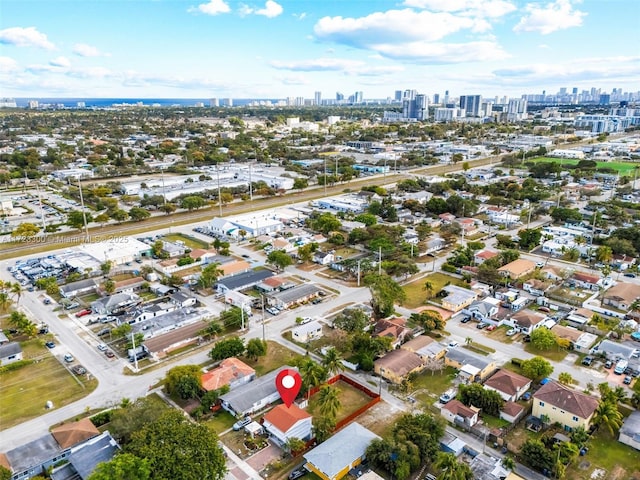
(280, 48)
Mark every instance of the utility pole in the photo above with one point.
(264, 339)
(325, 176)
(84, 214)
(219, 194)
(250, 185)
(44, 225)
(379, 260)
(164, 195)
(135, 354)
(358, 272)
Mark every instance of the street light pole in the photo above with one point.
(263, 334)
(84, 214)
(219, 194)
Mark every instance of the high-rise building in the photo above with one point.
(605, 99)
(471, 105)
(317, 97)
(358, 97)
(421, 107)
(339, 97)
(446, 97)
(436, 98)
(516, 110)
(33, 104)
(398, 96)
(214, 103)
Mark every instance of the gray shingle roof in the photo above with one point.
(242, 398)
(296, 293)
(245, 279)
(9, 349)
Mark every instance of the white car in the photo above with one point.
(511, 332)
(102, 347)
(453, 344)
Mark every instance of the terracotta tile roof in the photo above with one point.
(284, 418)
(456, 407)
(486, 254)
(507, 382)
(512, 409)
(527, 318)
(230, 369)
(274, 282)
(567, 399)
(71, 434)
(585, 277)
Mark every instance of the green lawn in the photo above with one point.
(188, 241)
(220, 422)
(432, 386)
(556, 354)
(277, 356)
(26, 390)
(417, 295)
(622, 167)
(351, 399)
(607, 453)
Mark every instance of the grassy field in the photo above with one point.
(605, 452)
(220, 422)
(556, 354)
(277, 356)
(430, 387)
(625, 168)
(351, 399)
(417, 295)
(25, 391)
(188, 241)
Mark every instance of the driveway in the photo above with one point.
(265, 456)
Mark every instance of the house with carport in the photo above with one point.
(231, 372)
(527, 320)
(283, 423)
(471, 366)
(397, 364)
(510, 385)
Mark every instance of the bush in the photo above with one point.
(15, 366)
(517, 362)
(101, 418)
(449, 268)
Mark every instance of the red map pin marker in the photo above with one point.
(288, 383)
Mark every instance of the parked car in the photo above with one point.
(630, 275)
(47, 301)
(453, 344)
(526, 396)
(243, 422)
(316, 301)
(83, 313)
(102, 347)
(71, 306)
(481, 325)
(465, 320)
(587, 361)
(627, 380)
(608, 364)
(104, 331)
(68, 358)
(298, 472)
(272, 311)
(78, 370)
(511, 332)
(491, 328)
(50, 345)
(109, 354)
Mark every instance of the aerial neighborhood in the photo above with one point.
(460, 295)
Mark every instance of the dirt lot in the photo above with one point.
(379, 418)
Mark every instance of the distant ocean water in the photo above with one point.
(107, 102)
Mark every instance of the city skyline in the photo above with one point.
(225, 48)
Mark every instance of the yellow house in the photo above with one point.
(472, 367)
(457, 298)
(565, 406)
(333, 458)
(518, 268)
(397, 364)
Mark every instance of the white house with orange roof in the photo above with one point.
(283, 423)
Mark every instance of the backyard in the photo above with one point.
(428, 386)
(555, 354)
(189, 242)
(276, 357)
(416, 293)
(26, 390)
(351, 399)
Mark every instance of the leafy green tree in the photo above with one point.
(119, 215)
(199, 458)
(475, 394)
(76, 219)
(300, 183)
(452, 469)
(305, 252)
(279, 259)
(5, 473)
(543, 339)
(323, 427)
(138, 214)
(123, 466)
(5, 302)
(312, 373)
(536, 368)
(324, 222)
(579, 436)
(209, 275)
(229, 347)
(256, 348)
(210, 398)
(121, 330)
(367, 218)
(332, 361)
(294, 445)
(536, 454)
(25, 230)
(133, 417)
(604, 254)
(565, 378)
(352, 320)
(105, 267)
(232, 317)
(429, 319)
(184, 381)
(192, 202)
(529, 238)
(109, 286)
(385, 293)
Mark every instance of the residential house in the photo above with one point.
(80, 287)
(253, 396)
(586, 281)
(447, 218)
(234, 268)
(333, 458)
(472, 367)
(483, 310)
(397, 364)
(560, 404)
(630, 431)
(622, 262)
(10, 352)
(293, 296)
(578, 340)
(622, 295)
(284, 245)
(579, 317)
(483, 255)
(243, 280)
(271, 284)
(283, 423)
(457, 298)
(552, 273)
(527, 320)
(508, 384)
(182, 300)
(231, 372)
(394, 328)
(3, 338)
(614, 350)
(85, 457)
(117, 302)
(511, 412)
(307, 332)
(129, 285)
(323, 258)
(518, 268)
(535, 287)
(174, 249)
(425, 347)
(434, 245)
(458, 413)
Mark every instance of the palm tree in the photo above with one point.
(607, 414)
(5, 302)
(428, 287)
(468, 341)
(451, 469)
(329, 402)
(312, 373)
(509, 463)
(332, 362)
(16, 289)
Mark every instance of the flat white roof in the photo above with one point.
(114, 249)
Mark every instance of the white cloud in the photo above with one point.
(84, 50)
(294, 80)
(213, 7)
(271, 9)
(300, 16)
(349, 67)
(484, 8)
(553, 16)
(443, 53)
(25, 37)
(8, 64)
(60, 62)
(392, 26)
